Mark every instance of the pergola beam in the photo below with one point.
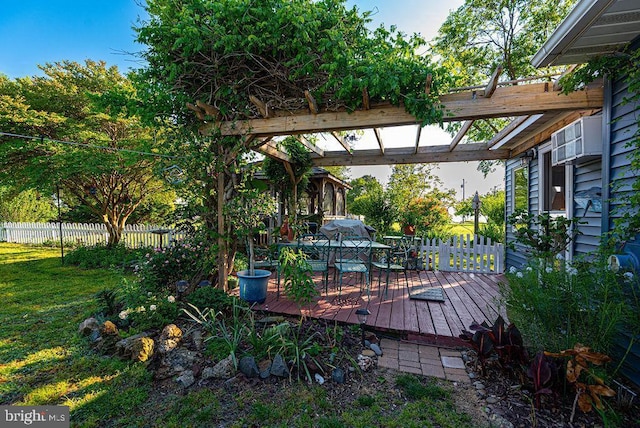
(407, 155)
(376, 131)
(461, 133)
(506, 102)
(341, 140)
(271, 150)
(493, 82)
(309, 145)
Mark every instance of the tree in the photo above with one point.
(493, 207)
(85, 140)
(26, 206)
(411, 181)
(482, 35)
(368, 198)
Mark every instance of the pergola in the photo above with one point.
(537, 110)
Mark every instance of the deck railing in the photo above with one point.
(463, 254)
(134, 235)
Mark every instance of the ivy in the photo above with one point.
(222, 51)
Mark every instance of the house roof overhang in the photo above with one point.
(592, 28)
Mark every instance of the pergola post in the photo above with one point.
(223, 252)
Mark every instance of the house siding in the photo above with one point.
(622, 128)
(586, 176)
(620, 131)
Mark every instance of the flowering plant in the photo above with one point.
(191, 259)
(147, 312)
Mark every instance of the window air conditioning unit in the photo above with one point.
(580, 140)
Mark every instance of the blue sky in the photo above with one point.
(35, 32)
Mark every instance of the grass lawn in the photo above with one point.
(43, 361)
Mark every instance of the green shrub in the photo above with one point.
(103, 256)
(213, 298)
(556, 305)
(492, 231)
(191, 259)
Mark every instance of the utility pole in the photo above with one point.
(463, 217)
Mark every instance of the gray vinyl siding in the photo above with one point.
(622, 129)
(517, 257)
(586, 176)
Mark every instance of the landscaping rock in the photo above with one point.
(368, 353)
(278, 367)
(108, 329)
(88, 326)
(319, 378)
(186, 379)
(196, 339)
(365, 362)
(108, 339)
(265, 368)
(492, 399)
(248, 367)
(175, 362)
(375, 348)
(223, 370)
(338, 375)
(169, 339)
(137, 348)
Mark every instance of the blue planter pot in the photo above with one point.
(253, 288)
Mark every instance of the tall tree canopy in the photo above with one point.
(73, 103)
(483, 34)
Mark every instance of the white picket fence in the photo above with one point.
(464, 254)
(135, 235)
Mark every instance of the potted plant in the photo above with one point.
(409, 219)
(246, 213)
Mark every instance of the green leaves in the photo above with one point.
(224, 51)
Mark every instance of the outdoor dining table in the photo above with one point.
(335, 244)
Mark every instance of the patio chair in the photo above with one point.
(354, 256)
(397, 260)
(316, 247)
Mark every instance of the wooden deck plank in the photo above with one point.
(467, 297)
(440, 324)
(396, 321)
(410, 311)
(480, 298)
(456, 324)
(469, 306)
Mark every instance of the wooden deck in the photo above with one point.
(468, 297)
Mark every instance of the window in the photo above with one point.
(327, 199)
(520, 185)
(553, 182)
(340, 202)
